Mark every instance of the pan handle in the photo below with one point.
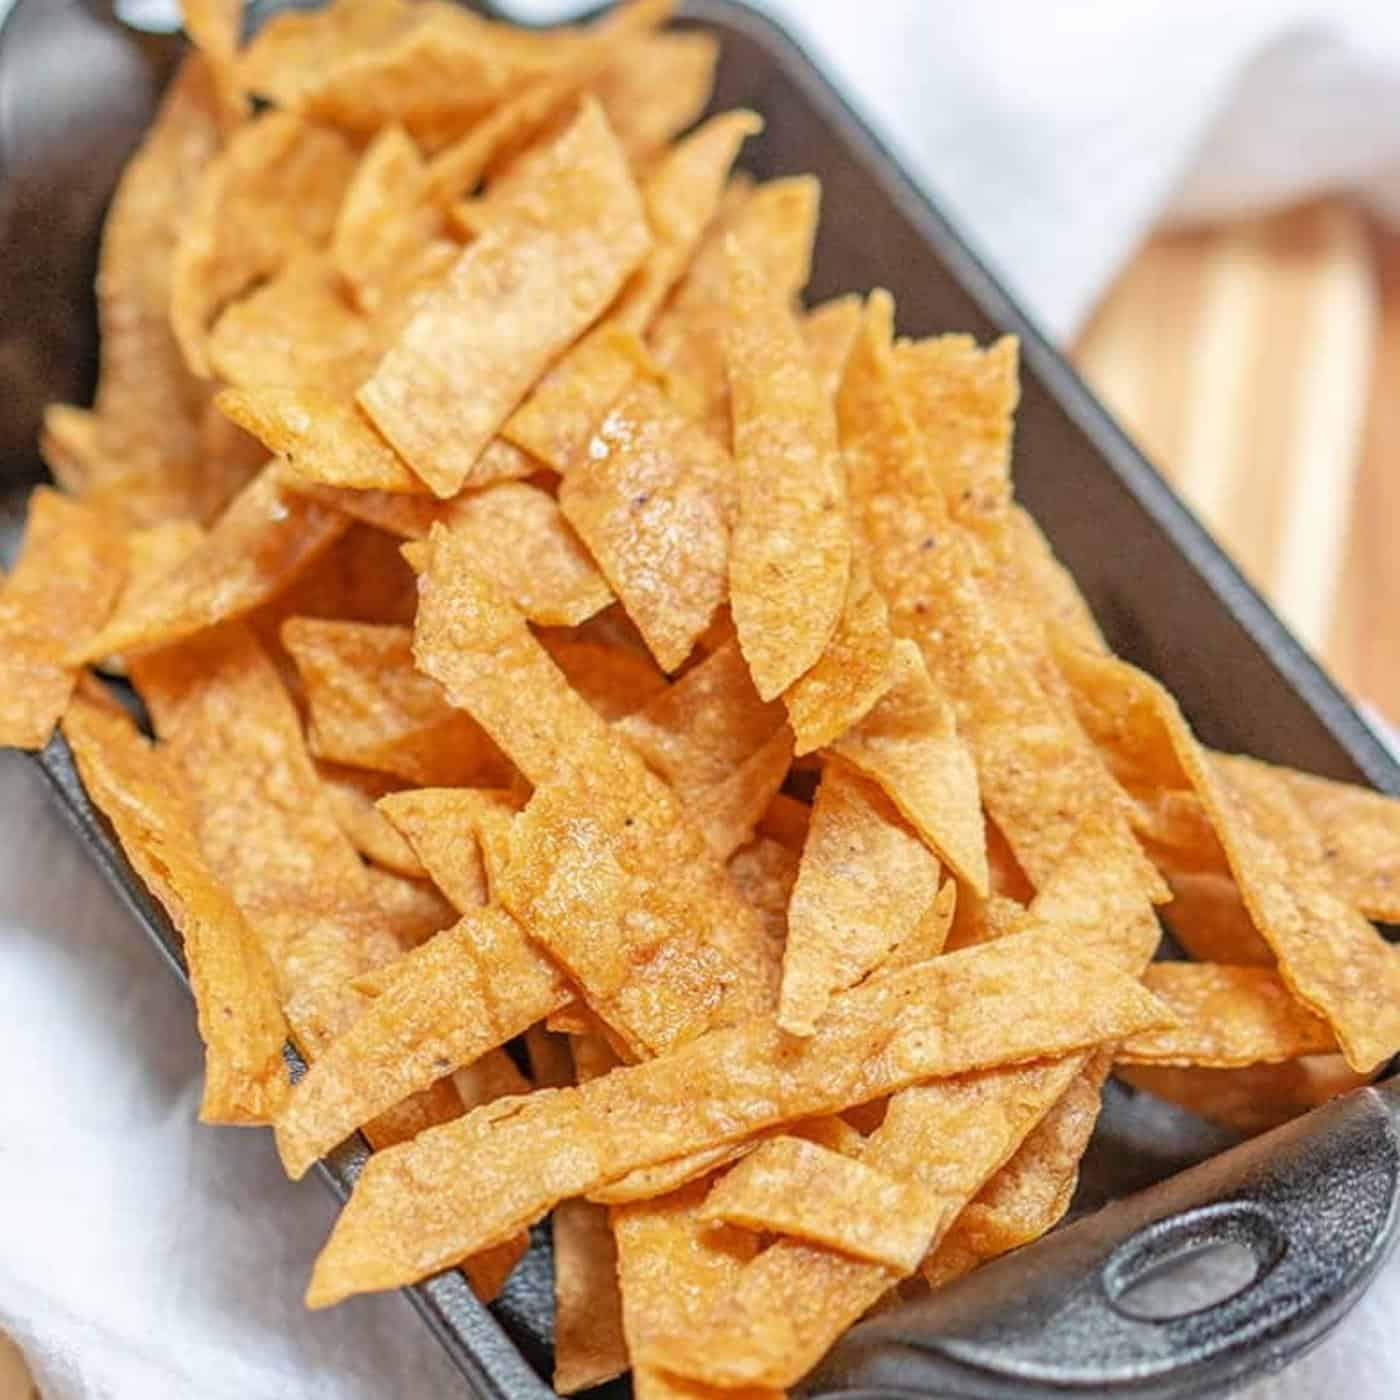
(1313, 1203)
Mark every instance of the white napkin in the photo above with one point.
(142, 1255)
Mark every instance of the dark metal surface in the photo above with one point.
(1039, 1321)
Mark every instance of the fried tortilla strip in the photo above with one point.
(265, 824)
(515, 535)
(615, 680)
(854, 671)
(699, 729)
(829, 331)
(260, 544)
(655, 502)
(1358, 836)
(925, 566)
(673, 1265)
(61, 591)
(649, 1183)
(472, 988)
(1332, 959)
(776, 224)
(949, 1138)
(353, 793)
(319, 438)
(618, 886)
(1228, 1016)
(556, 423)
(795, 1188)
(235, 991)
(1209, 919)
(909, 745)
(656, 88)
(68, 443)
(588, 1343)
(442, 826)
(215, 28)
(962, 399)
(407, 517)
(383, 220)
(273, 191)
(1031, 1193)
(865, 883)
(727, 813)
(567, 232)
(145, 457)
(412, 910)
(1252, 1099)
(790, 555)
(370, 708)
(929, 936)
(1027, 995)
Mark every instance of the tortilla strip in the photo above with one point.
(235, 991)
(466, 991)
(657, 86)
(64, 584)
(259, 545)
(588, 1343)
(409, 1215)
(790, 554)
(520, 294)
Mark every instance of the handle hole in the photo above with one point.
(1200, 1278)
(1193, 1262)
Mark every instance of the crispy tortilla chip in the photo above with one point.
(407, 517)
(411, 910)
(649, 1183)
(260, 544)
(615, 680)
(514, 535)
(557, 253)
(558, 420)
(829, 331)
(215, 27)
(1209, 919)
(236, 998)
(1228, 1016)
(929, 936)
(271, 192)
(909, 745)
(468, 990)
(792, 1187)
(656, 88)
(353, 794)
(702, 727)
(1032, 1192)
(728, 812)
(790, 556)
(1023, 996)
(69, 443)
(866, 882)
(437, 823)
(962, 399)
(924, 565)
(384, 219)
(610, 877)
(320, 439)
(1252, 1099)
(854, 671)
(776, 225)
(145, 447)
(588, 1344)
(654, 502)
(1358, 835)
(372, 709)
(61, 591)
(1330, 957)
(765, 871)
(265, 824)
(673, 1266)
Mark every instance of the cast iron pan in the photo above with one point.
(1310, 1208)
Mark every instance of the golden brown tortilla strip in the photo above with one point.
(60, 593)
(516, 297)
(235, 991)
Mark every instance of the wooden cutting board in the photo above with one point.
(1257, 365)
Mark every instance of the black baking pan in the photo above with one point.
(1311, 1208)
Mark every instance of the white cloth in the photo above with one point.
(144, 1256)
